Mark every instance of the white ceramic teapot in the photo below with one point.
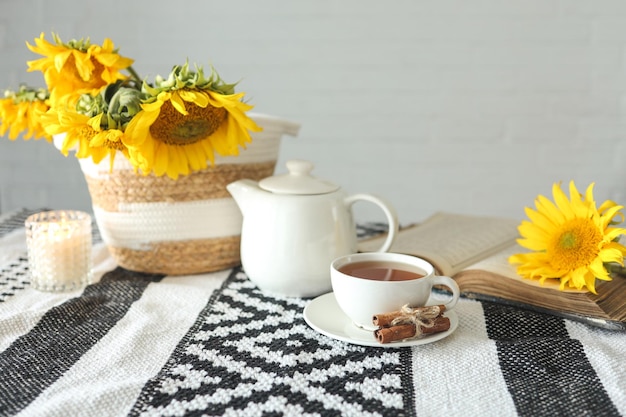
(294, 225)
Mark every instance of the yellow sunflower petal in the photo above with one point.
(208, 151)
(199, 98)
(547, 208)
(589, 282)
(532, 231)
(84, 65)
(608, 204)
(612, 254)
(178, 103)
(137, 131)
(562, 202)
(609, 214)
(539, 219)
(60, 59)
(181, 164)
(589, 194)
(196, 160)
(160, 159)
(612, 233)
(597, 269)
(156, 106)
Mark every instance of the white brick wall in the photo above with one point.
(470, 106)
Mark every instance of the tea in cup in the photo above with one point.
(366, 284)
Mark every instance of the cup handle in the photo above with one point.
(390, 213)
(452, 285)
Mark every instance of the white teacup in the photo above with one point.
(362, 298)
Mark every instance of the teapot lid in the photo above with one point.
(297, 181)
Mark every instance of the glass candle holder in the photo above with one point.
(59, 250)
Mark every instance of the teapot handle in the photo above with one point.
(389, 211)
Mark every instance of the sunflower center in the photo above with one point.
(86, 133)
(175, 128)
(113, 144)
(576, 244)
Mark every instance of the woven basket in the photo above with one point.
(184, 226)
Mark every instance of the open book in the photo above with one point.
(474, 251)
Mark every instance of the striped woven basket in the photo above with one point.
(184, 226)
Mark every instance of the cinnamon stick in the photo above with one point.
(407, 331)
(392, 334)
(385, 319)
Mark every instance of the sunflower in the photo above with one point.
(572, 240)
(20, 112)
(185, 121)
(85, 135)
(77, 67)
(95, 128)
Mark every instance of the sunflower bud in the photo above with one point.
(182, 77)
(27, 94)
(124, 104)
(89, 105)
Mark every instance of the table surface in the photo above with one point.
(213, 344)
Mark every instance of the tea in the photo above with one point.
(381, 271)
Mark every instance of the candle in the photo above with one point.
(59, 250)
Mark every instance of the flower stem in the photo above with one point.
(134, 75)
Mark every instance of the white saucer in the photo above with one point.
(324, 315)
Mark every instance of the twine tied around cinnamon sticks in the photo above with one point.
(410, 323)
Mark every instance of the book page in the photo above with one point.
(452, 241)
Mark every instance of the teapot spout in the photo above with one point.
(245, 192)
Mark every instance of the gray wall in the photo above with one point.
(469, 106)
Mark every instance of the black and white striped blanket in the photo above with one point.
(152, 345)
